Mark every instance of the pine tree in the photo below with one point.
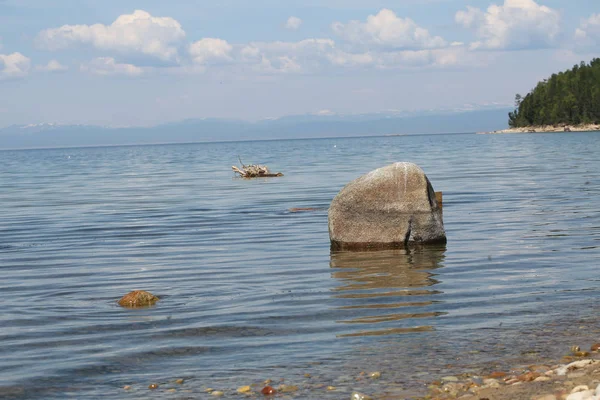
(569, 97)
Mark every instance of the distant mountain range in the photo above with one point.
(292, 127)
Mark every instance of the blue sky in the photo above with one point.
(134, 62)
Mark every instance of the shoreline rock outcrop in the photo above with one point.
(389, 207)
(549, 129)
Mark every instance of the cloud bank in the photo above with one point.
(515, 25)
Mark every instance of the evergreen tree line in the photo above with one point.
(571, 97)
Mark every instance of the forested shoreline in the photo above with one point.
(568, 98)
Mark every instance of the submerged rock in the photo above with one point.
(388, 207)
(138, 298)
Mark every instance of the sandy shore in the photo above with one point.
(535, 382)
(550, 128)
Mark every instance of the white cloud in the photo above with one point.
(52, 66)
(209, 50)
(588, 34)
(14, 65)
(388, 31)
(138, 33)
(293, 23)
(404, 59)
(517, 24)
(287, 57)
(108, 66)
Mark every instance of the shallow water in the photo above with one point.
(250, 290)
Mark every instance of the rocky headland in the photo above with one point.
(550, 128)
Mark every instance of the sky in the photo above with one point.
(146, 62)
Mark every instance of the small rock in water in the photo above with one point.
(287, 388)
(179, 381)
(581, 354)
(153, 386)
(595, 347)
(375, 375)
(138, 298)
(492, 383)
(359, 396)
(331, 388)
(217, 393)
(126, 387)
(244, 389)
(268, 390)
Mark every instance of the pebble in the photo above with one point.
(172, 390)
(126, 387)
(595, 347)
(244, 389)
(493, 383)
(585, 395)
(542, 379)
(497, 374)
(562, 370)
(153, 386)
(179, 381)
(331, 388)
(268, 390)
(376, 375)
(453, 388)
(217, 393)
(528, 377)
(580, 388)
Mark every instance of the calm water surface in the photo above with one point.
(250, 290)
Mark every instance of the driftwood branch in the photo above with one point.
(253, 171)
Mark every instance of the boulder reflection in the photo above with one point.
(385, 291)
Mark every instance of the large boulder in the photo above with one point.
(389, 207)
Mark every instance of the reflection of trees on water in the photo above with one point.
(383, 291)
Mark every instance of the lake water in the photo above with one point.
(250, 291)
